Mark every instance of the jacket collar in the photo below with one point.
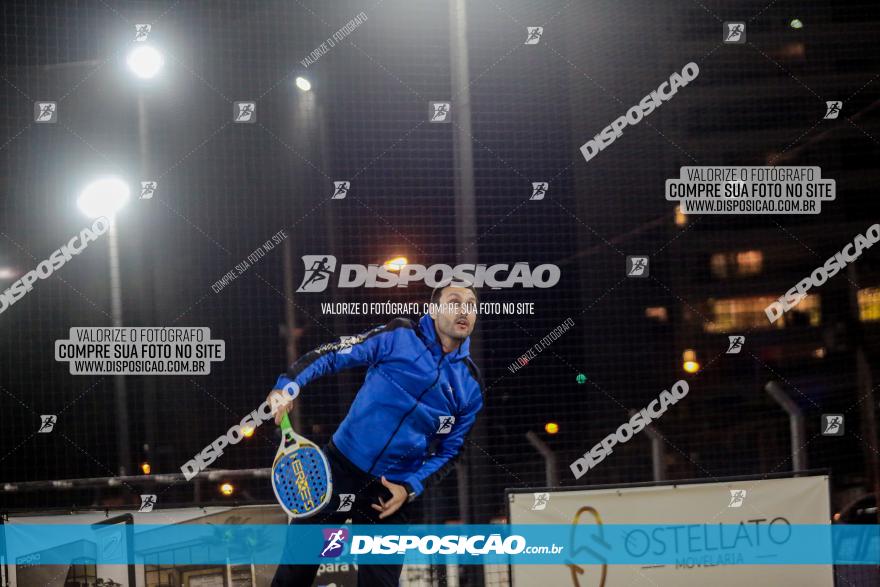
(429, 334)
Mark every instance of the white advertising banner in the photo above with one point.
(688, 513)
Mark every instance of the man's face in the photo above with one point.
(457, 313)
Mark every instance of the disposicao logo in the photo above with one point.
(334, 542)
(320, 268)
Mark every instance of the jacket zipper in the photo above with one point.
(406, 415)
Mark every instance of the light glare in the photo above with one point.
(303, 84)
(396, 264)
(103, 197)
(145, 61)
(690, 363)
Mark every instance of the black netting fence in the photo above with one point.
(519, 118)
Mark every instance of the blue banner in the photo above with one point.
(753, 543)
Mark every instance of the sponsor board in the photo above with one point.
(700, 535)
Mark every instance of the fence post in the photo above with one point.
(796, 423)
(551, 473)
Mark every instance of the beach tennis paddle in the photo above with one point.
(301, 475)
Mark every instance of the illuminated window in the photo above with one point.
(680, 217)
(749, 262)
(738, 264)
(718, 264)
(792, 51)
(657, 313)
(732, 314)
(869, 304)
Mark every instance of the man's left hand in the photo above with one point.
(399, 496)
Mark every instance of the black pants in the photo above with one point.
(347, 478)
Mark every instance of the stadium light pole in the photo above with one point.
(145, 62)
(466, 237)
(306, 139)
(105, 197)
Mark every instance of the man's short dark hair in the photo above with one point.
(438, 291)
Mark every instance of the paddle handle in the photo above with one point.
(285, 424)
(287, 431)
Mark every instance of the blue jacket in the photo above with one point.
(413, 394)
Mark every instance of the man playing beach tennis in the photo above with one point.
(406, 425)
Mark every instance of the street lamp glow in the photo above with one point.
(303, 84)
(145, 61)
(103, 197)
(690, 364)
(396, 264)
